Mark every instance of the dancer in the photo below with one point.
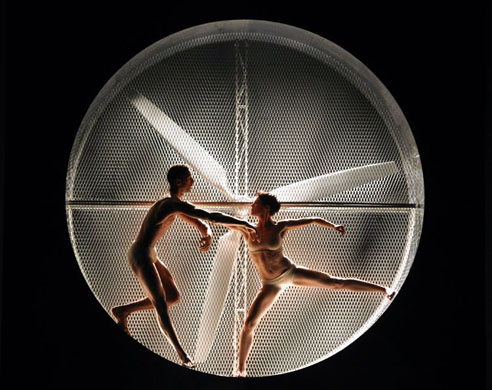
(154, 277)
(277, 271)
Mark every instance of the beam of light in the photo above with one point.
(333, 183)
(184, 145)
(217, 288)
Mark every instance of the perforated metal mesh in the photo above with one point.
(313, 109)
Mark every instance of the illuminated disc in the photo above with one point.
(250, 106)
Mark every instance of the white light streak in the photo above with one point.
(217, 288)
(332, 183)
(183, 144)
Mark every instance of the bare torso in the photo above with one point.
(268, 255)
(157, 222)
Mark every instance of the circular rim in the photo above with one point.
(273, 29)
(114, 85)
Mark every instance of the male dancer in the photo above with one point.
(154, 277)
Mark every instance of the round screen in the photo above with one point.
(248, 106)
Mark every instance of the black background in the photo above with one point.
(432, 60)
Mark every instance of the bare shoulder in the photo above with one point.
(181, 206)
(283, 224)
(165, 207)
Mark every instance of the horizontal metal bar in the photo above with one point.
(248, 204)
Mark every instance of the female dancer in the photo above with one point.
(154, 277)
(277, 271)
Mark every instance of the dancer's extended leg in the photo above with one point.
(265, 298)
(173, 297)
(152, 285)
(309, 278)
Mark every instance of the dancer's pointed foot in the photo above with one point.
(121, 318)
(188, 363)
(390, 293)
(239, 374)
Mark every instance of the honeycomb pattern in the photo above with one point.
(307, 117)
(311, 111)
(303, 326)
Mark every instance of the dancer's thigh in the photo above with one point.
(167, 280)
(265, 298)
(305, 277)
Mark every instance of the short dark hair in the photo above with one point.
(176, 172)
(269, 200)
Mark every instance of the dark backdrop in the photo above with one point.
(430, 57)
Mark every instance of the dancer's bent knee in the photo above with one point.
(173, 298)
(250, 324)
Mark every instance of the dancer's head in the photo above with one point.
(180, 179)
(265, 203)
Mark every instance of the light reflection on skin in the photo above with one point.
(154, 277)
(277, 271)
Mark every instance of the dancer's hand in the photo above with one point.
(340, 229)
(205, 243)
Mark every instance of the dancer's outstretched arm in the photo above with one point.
(187, 209)
(204, 228)
(291, 224)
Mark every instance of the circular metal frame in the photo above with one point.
(103, 214)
